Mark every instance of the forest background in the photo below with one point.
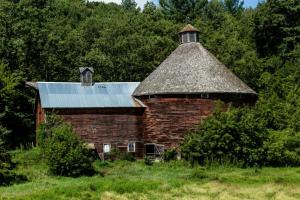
(48, 40)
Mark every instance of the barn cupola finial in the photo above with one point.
(86, 76)
(188, 34)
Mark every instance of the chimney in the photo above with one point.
(188, 34)
(86, 76)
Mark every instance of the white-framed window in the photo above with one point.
(131, 147)
(205, 96)
(184, 38)
(106, 148)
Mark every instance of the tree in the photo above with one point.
(234, 6)
(129, 4)
(277, 27)
(180, 10)
(16, 123)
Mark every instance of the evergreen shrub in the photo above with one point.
(64, 152)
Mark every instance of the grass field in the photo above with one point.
(135, 180)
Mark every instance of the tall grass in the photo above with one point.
(135, 180)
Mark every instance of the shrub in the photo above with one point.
(170, 154)
(44, 130)
(148, 161)
(283, 148)
(65, 153)
(240, 137)
(236, 136)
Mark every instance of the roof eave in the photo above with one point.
(33, 85)
(192, 93)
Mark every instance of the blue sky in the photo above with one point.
(247, 3)
(250, 3)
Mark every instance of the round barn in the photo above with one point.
(151, 116)
(183, 90)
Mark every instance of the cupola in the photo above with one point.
(86, 76)
(188, 34)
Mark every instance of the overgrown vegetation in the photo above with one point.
(62, 149)
(240, 136)
(116, 154)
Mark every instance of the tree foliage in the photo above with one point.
(48, 40)
(240, 136)
(16, 120)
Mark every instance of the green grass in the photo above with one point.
(135, 180)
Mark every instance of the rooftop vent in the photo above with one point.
(188, 34)
(86, 76)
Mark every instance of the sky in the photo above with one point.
(247, 3)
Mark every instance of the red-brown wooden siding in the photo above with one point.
(168, 120)
(115, 126)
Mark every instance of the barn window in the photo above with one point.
(193, 37)
(205, 96)
(131, 147)
(184, 38)
(106, 148)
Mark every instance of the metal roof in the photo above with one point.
(99, 95)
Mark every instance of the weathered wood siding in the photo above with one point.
(115, 126)
(168, 120)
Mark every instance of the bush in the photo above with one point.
(148, 161)
(236, 136)
(283, 148)
(170, 154)
(44, 130)
(240, 137)
(64, 152)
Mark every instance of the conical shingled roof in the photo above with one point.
(191, 69)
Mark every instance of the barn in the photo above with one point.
(153, 115)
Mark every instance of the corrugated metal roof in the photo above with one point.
(100, 95)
